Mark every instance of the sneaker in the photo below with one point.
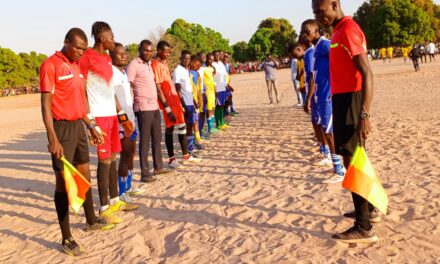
(161, 171)
(126, 198)
(325, 162)
(335, 179)
(122, 206)
(222, 128)
(198, 146)
(100, 224)
(214, 131)
(109, 217)
(191, 158)
(374, 216)
(173, 163)
(356, 235)
(205, 136)
(71, 248)
(134, 190)
(234, 113)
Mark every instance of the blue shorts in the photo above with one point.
(205, 102)
(325, 111)
(228, 92)
(314, 110)
(221, 98)
(191, 115)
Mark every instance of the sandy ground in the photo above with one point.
(257, 196)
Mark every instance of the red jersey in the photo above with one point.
(63, 79)
(348, 41)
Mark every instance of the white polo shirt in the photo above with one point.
(182, 77)
(121, 86)
(220, 76)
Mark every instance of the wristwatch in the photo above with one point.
(365, 115)
(92, 124)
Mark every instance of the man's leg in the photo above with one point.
(298, 94)
(156, 140)
(124, 162)
(269, 90)
(144, 141)
(275, 89)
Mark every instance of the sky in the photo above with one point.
(41, 25)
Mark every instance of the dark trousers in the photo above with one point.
(149, 130)
(416, 63)
(363, 209)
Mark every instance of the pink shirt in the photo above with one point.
(141, 76)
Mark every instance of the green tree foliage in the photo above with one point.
(19, 70)
(240, 51)
(197, 38)
(395, 22)
(273, 36)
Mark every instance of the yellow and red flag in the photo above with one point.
(362, 180)
(76, 185)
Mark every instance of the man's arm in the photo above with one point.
(362, 64)
(54, 146)
(310, 93)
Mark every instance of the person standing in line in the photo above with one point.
(141, 77)
(294, 75)
(351, 80)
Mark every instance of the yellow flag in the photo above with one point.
(76, 185)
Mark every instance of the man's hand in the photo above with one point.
(128, 128)
(172, 117)
(307, 107)
(97, 137)
(56, 149)
(364, 129)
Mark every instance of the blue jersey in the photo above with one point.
(308, 64)
(321, 69)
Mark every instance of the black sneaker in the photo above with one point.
(100, 224)
(374, 216)
(161, 171)
(71, 248)
(356, 235)
(148, 178)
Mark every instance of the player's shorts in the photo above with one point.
(325, 112)
(72, 136)
(228, 92)
(191, 115)
(346, 114)
(314, 111)
(205, 102)
(112, 142)
(210, 98)
(221, 98)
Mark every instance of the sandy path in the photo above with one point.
(256, 198)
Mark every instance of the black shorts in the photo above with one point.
(72, 136)
(346, 113)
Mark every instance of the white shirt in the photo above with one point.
(220, 76)
(182, 77)
(293, 69)
(431, 48)
(101, 96)
(121, 85)
(201, 72)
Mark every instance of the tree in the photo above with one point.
(261, 43)
(197, 38)
(394, 22)
(241, 51)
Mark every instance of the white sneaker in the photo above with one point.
(325, 162)
(174, 164)
(126, 198)
(335, 179)
(191, 159)
(135, 190)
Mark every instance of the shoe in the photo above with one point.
(191, 158)
(222, 128)
(214, 131)
(100, 224)
(71, 248)
(173, 163)
(335, 179)
(125, 197)
(122, 206)
(325, 162)
(374, 216)
(148, 179)
(199, 147)
(235, 113)
(134, 190)
(205, 137)
(109, 217)
(161, 171)
(226, 125)
(356, 235)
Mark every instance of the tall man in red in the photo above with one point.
(351, 81)
(63, 106)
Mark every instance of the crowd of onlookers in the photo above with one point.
(18, 90)
(254, 66)
(395, 52)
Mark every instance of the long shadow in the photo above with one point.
(27, 217)
(26, 167)
(26, 185)
(20, 203)
(33, 141)
(226, 203)
(23, 237)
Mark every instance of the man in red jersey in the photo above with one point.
(351, 81)
(63, 106)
